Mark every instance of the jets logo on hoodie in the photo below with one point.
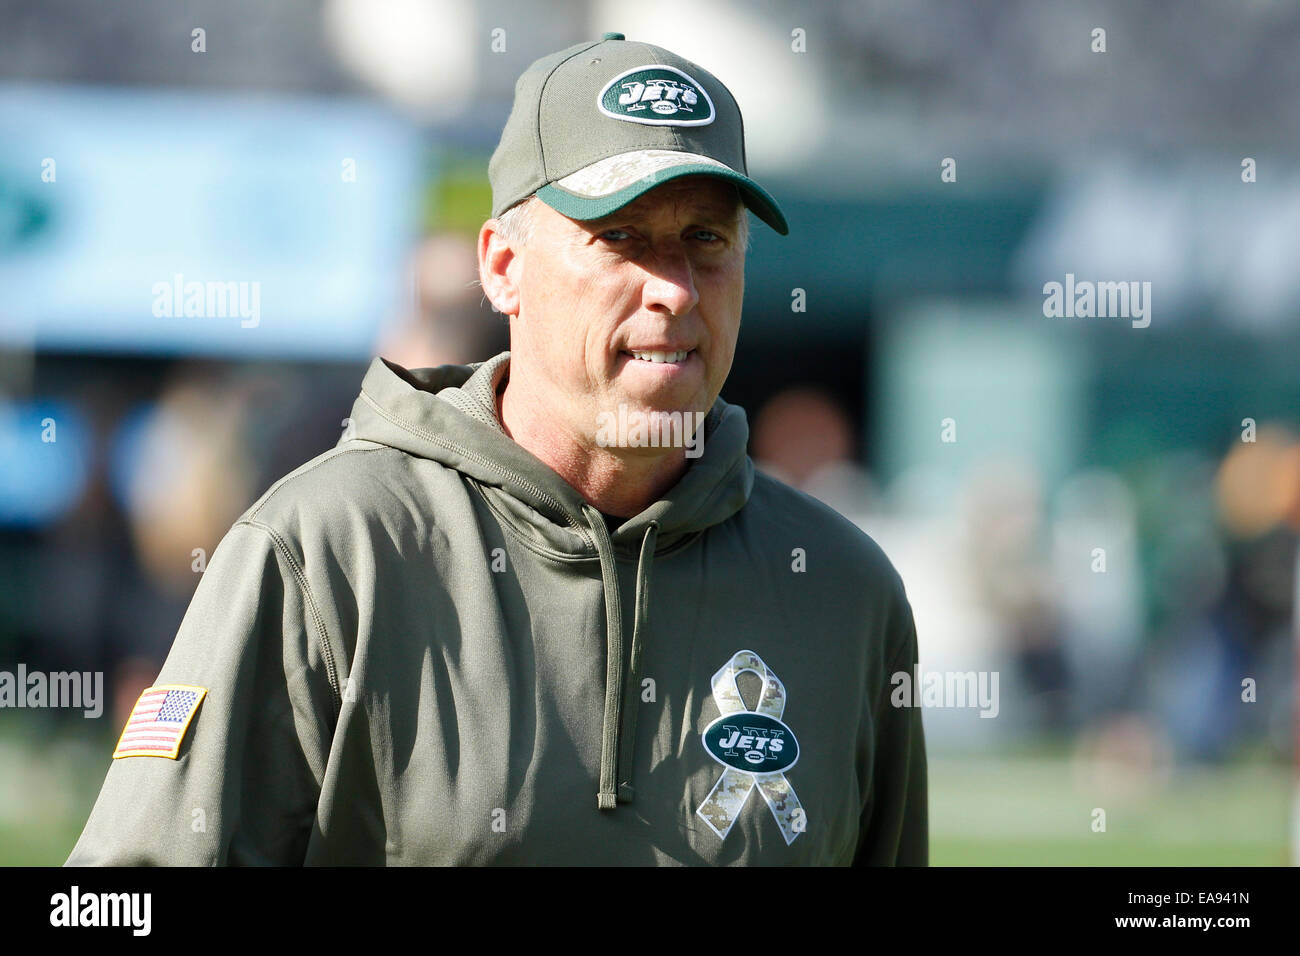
(755, 747)
(751, 742)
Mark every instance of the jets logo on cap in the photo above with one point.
(656, 95)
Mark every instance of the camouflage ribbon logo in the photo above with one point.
(754, 747)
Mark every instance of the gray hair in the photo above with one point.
(516, 223)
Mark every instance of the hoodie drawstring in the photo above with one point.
(631, 700)
(619, 726)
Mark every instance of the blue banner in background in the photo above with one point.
(192, 223)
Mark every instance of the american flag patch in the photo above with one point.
(159, 720)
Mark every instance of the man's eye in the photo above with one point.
(615, 234)
(707, 235)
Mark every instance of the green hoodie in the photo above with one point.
(424, 647)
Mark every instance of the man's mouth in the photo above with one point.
(659, 357)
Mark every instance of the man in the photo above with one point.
(542, 609)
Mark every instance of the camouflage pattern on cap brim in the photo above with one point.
(583, 208)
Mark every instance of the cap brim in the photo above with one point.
(606, 186)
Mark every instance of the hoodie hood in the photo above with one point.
(448, 415)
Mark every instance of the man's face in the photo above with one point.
(663, 274)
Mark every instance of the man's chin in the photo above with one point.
(641, 426)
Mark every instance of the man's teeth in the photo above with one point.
(661, 356)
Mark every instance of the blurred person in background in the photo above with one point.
(1007, 560)
(804, 438)
(446, 324)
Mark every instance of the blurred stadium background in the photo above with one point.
(334, 153)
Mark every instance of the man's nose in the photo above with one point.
(670, 283)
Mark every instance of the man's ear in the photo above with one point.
(495, 258)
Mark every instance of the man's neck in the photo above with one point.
(620, 485)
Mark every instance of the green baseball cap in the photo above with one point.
(598, 124)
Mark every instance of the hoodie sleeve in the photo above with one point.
(244, 785)
(894, 829)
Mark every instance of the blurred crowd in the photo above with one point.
(1146, 613)
(153, 460)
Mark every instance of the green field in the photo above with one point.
(1039, 812)
(1003, 811)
